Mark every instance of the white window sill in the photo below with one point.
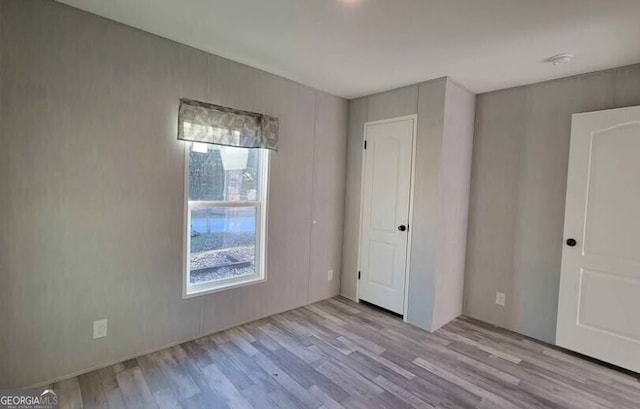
(209, 288)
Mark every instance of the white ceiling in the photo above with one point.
(357, 47)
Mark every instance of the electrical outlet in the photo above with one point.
(330, 275)
(99, 329)
(500, 298)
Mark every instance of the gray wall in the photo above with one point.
(519, 172)
(455, 179)
(438, 228)
(426, 201)
(91, 191)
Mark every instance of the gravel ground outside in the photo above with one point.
(203, 264)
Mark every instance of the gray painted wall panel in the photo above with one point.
(455, 179)
(494, 175)
(627, 84)
(393, 103)
(330, 160)
(92, 190)
(518, 188)
(424, 224)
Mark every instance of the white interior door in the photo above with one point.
(385, 213)
(600, 281)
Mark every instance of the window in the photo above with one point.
(225, 230)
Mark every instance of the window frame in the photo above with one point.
(262, 206)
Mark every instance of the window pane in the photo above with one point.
(223, 173)
(223, 243)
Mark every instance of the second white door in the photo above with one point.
(385, 212)
(600, 280)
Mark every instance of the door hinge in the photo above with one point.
(365, 144)
(358, 275)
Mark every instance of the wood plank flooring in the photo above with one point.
(339, 354)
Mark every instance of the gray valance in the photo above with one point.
(215, 124)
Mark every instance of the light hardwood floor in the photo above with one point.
(339, 354)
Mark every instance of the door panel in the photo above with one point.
(385, 206)
(381, 256)
(612, 220)
(599, 288)
(600, 280)
(386, 157)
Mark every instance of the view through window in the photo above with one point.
(226, 216)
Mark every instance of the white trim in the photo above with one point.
(190, 291)
(414, 118)
(186, 235)
(405, 315)
(391, 120)
(362, 169)
(221, 285)
(204, 204)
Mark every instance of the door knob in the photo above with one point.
(571, 242)
(402, 227)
